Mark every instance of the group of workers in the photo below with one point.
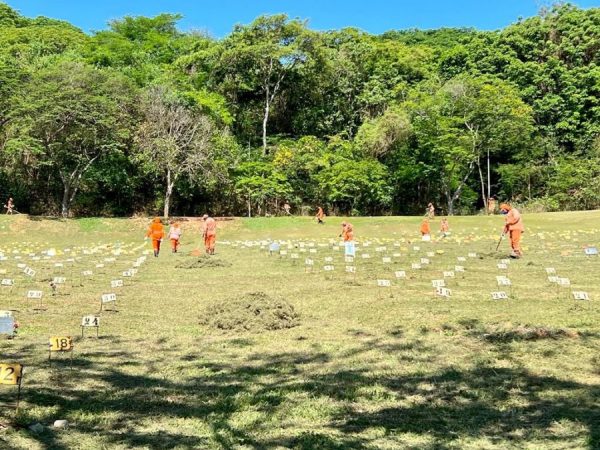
(513, 227)
(156, 234)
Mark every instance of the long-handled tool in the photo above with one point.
(500, 240)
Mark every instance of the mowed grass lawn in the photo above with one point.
(366, 367)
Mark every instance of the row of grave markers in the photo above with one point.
(12, 373)
(439, 285)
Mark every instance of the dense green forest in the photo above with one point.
(144, 118)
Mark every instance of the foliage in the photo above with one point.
(452, 116)
(65, 118)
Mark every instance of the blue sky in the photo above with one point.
(374, 16)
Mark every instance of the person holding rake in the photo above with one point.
(513, 226)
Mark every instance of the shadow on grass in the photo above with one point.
(506, 406)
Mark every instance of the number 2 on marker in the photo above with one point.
(10, 373)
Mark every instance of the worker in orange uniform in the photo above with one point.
(348, 237)
(156, 232)
(430, 212)
(320, 215)
(209, 232)
(175, 233)
(444, 227)
(514, 227)
(347, 232)
(425, 228)
(9, 206)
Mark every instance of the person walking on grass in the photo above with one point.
(430, 211)
(513, 226)
(174, 236)
(348, 236)
(444, 227)
(209, 233)
(156, 232)
(10, 206)
(320, 215)
(425, 228)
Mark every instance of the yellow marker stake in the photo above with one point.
(10, 374)
(61, 344)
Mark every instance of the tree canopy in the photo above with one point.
(144, 117)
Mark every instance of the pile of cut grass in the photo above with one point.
(202, 262)
(502, 333)
(255, 312)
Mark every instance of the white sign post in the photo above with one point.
(107, 299)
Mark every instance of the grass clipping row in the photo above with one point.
(254, 312)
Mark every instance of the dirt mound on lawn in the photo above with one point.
(254, 312)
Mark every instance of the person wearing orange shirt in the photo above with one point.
(209, 232)
(513, 226)
(156, 233)
(425, 228)
(430, 212)
(320, 215)
(174, 236)
(348, 237)
(347, 232)
(444, 227)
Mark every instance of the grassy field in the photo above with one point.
(364, 367)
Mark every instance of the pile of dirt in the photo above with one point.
(254, 312)
(202, 262)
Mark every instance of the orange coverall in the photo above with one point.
(347, 232)
(174, 235)
(425, 229)
(210, 234)
(444, 227)
(320, 215)
(513, 226)
(156, 233)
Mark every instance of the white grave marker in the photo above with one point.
(580, 295)
(443, 292)
(108, 298)
(90, 321)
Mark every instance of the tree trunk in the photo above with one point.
(451, 206)
(265, 120)
(489, 179)
(168, 194)
(66, 200)
(249, 208)
(167, 203)
(483, 196)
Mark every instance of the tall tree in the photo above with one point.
(66, 117)
(174, 140)
(260, 56)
